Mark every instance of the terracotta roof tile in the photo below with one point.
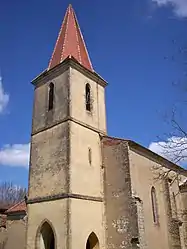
(19, 207)
(70, 42)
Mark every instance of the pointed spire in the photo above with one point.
(70, 42)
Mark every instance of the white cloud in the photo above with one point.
(4, 97)
(174, 149)
(179, 6)
(16, 155)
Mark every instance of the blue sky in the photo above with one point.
(130, 45)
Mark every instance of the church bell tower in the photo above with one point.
(65, 197)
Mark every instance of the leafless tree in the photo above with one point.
(10, 194)
(174, 143)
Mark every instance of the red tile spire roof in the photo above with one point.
(70, 42)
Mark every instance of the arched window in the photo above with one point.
(154, 205)
(92, 242)
(45, 237)
(88, 97)
(51, 97)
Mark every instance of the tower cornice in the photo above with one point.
(47, 75)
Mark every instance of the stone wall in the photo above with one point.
(43, 119)
(121, 210)
(97, 117)
(49, 162)
(13, 236)
(183, 195)
(141, 223)
(56, 214)
(172, 222)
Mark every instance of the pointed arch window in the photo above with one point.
(45, 237)
(51, 97)
(154, 205)
(88, 97)
(92, 242)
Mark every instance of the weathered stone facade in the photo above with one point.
(116, 203)
(131, 171)
(86, 189)
(66, 174)
(83, 183)
(121, 209)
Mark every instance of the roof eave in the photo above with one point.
(12, 208)
(39, 76)
(16, 212)
(165, 162)
(93, 73)
(157, 157)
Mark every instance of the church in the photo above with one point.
(88, 190)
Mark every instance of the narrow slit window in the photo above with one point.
(51, 97)
(88, 98)
(154, 205)
(90, 156)
(174, 206)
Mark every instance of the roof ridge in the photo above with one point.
(78, 26)
(65, 34)
(15, 205)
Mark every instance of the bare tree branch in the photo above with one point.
(11, 194)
